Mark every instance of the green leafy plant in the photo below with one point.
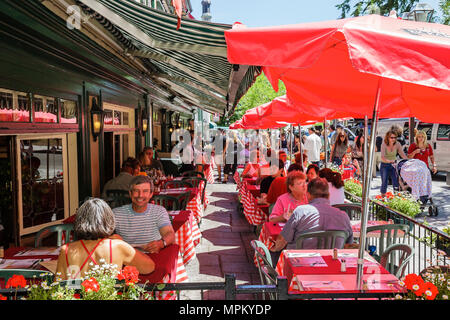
(102, 282)
(401, 202)
(353, 186)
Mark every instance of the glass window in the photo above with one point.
(108, 117)
(42, 181)
(427, 128)
(443, 132)
(117, 118)
(45, 109)
(6, 106)
(69, 111)
(125, 118)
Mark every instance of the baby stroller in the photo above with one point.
(414, 176)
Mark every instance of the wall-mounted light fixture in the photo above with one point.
(97, 116)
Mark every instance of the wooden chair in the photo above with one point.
(389, 235)
(117, 198)
(177, 184)
(390, 262)
(267, 273)
(64, 232)
(325, 239)
(353, 210)
(169, 202)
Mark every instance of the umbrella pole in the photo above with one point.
(291, 139)
(366, 190)
(325, 143)
(300, 148)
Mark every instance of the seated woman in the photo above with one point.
(335, 185)
(296, 195)
(312, 172)
(148, 162)
(94, 226)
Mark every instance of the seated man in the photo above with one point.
(141, 224)
(130, 167)
(276, 170)
(317, 215)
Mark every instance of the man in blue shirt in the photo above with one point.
(317, 215)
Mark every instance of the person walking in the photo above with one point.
(339, 148)
(390, 148)
(313, 145)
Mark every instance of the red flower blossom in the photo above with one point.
(414, 283)
(2, 297)
(130, 274)
(16, 281)
(91, 285)
(430, 290)
(77, 296)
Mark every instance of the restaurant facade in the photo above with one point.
(56, 82)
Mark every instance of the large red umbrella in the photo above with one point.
(391, 67)
(337, 64)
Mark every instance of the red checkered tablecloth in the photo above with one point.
(181, 276)
(188, 237)
(254, 215)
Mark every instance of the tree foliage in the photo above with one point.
(259, 93)
(349, 8)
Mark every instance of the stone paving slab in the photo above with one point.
(225, 245)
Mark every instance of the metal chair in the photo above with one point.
(183, 199)
(177, 184)
(65, 229)
(353, 210)
(389, 234)
(169, 202)
(325, 239)
(5, 274)
(195, 181)
(193, 173)
(267, 273)
(117, 198)
(397, 266)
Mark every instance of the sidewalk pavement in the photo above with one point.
(225, 246)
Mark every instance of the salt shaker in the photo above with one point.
(343, 268)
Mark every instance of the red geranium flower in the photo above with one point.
(77, 296)
(91, 285)
(16, 281)
(2, 297)
(430, 290)
(130, 274)
(414, 283)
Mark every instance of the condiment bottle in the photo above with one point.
(343, 267)
(335, 254)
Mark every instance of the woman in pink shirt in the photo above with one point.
(287, 202)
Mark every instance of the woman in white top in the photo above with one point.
(335, 184)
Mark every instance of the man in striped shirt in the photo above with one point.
(143, 224)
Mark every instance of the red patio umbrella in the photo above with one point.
(337, 64)
(393, 67)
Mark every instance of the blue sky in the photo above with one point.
(259, 13)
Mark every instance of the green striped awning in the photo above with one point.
(190, 61)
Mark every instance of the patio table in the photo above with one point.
(302, 267)
(187, 233)
(253, 213)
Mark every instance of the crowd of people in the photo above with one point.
(299, 190)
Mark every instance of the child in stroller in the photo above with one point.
(414, 174)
